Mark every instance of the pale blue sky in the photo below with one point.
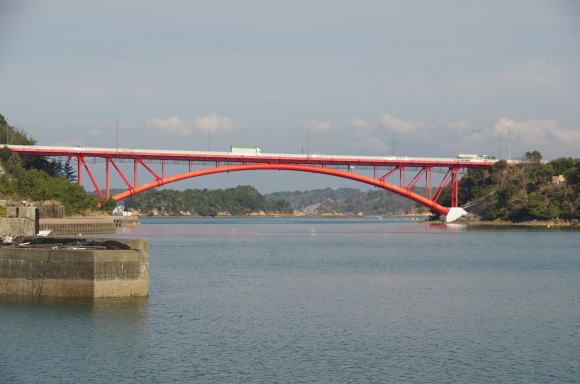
(445, 76)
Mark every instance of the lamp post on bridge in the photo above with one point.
(509, 125)
(307, 141)
(209, 137)
(117, 136)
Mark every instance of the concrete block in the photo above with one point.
(70, 272)
(17, 227)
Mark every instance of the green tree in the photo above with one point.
(573, 175)
(108, 205)
(69, 172)
(561, 165)
(34, 184)
(11, 135)
(533, 157)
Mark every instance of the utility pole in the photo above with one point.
(117, 136)
(393, 144)
(209, 137)
(509, 142)
(499, 152)
(307, 141)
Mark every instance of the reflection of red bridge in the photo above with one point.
(382, 168)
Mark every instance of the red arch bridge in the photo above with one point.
(393, 173)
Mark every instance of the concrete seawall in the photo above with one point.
(73, 269)
(126, 221)
(88, 224)
(76, 225)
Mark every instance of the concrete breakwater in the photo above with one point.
(75, 267)
(126, 221)
(87, 224)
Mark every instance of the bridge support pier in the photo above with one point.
(453, 214)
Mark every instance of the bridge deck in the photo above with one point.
(269, 158)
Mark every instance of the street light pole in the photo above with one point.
(509, 141)
(499, 151)
(307, 141)
(209, 137)
(117, 136)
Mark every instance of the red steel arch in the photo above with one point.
(288, 167)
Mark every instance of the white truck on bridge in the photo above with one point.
(245, 150)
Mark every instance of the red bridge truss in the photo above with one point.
(408, 169)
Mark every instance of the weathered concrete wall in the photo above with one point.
(23, 211)
(20, 221)
(69, 272)
(76, 225)
(126, 221)
(17, 227)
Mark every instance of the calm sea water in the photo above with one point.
(316, 301)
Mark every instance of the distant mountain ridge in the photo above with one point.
(349, 201)
(241, 200)
(245, 200)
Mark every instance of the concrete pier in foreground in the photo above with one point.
(76, 267)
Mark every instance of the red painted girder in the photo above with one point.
(322, 159)
(151, 171)
(289, 167)
(82, 160)
(123, 177)
(415, 179)
(390, 173)
(442, 185)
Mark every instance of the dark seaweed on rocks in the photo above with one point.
(77, 242)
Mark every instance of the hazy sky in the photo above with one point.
(443, 76)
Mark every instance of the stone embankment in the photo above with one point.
(75, 267)
(126, 221)
(88, 224)
(476, 220)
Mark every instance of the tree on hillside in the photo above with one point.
(108, 205)
(21, 184)
(533, 157)
(14, 136)
(573, 175)
(562, 164)
(68, 171)
(11, 135)
(538, 173)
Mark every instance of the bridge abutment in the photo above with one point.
(453, 214)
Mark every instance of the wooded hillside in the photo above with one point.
(534, 190)
(37, 178)
(242, 200)
(349, 201)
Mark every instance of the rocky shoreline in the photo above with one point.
(533, 223)
(475, 220)
(471, 219)
(297, 214)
